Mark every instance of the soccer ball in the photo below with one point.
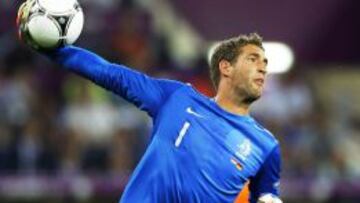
(48, 24)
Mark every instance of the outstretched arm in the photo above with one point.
(145, 92)
(264, 187)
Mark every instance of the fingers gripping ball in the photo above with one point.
(49, 24)
(22, 16)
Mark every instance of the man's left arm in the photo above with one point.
(264, 187)
(147, 93)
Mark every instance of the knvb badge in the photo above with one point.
(244, 149)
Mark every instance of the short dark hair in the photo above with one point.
(229, 50)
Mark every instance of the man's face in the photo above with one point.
(248, 73)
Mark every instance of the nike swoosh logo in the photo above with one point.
(190, 111)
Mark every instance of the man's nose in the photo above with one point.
(262, 68)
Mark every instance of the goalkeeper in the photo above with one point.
(202, 149)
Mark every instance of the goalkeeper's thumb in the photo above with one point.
(21, 23)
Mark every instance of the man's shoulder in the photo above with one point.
(266, 133)
(190, 90)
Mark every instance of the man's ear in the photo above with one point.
(225, 68)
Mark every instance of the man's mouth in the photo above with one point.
(259, 81)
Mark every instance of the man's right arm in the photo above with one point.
(145, 92)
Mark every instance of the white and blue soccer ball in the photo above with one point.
(48, 24)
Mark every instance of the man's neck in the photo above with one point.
(231, 104)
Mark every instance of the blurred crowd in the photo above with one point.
(54, 122)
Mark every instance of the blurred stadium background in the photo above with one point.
(63, 139)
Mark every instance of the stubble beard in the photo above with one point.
(247, 96)
(250, 99)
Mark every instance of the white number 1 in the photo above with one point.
(182, 133)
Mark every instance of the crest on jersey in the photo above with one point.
(244, 149)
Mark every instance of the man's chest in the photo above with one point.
(217, 149)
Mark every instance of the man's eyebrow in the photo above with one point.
(255, 54)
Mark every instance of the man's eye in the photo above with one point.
(252, 59)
